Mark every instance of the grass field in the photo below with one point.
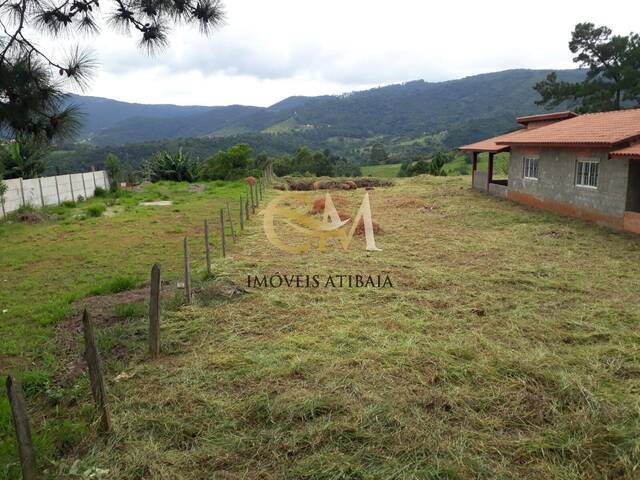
(506, 348)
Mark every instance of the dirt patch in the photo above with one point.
(158, 203)
(195, 188)
(102, 311)
(31, 218)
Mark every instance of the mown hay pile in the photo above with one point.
(307, 184)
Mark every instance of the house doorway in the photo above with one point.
(633, 187)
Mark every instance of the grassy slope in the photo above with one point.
(47, 266)
(382, 171)
(506, 349)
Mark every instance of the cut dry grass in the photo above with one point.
(504, 350)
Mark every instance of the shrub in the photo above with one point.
(100, 192)
(68, 204)
(96, 210)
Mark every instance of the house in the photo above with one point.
(585, 166)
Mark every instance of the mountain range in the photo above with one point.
(460, 111)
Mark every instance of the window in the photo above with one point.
(531, 168)
(587, 173)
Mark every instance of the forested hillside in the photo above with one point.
(407, 118)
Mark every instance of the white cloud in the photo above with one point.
(276, 48)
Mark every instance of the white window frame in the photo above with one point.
(586, 175)
(530, 168)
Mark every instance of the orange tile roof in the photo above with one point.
(632, 151)
(545, 117)
(491, 145)
(594, 129)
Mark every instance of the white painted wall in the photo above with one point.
(51, 190)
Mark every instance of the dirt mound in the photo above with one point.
(319, 203)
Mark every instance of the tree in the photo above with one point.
(379, 155)
(31, 94)
(112, 166)
(231, 164)
(22, 158)
(177, 167)
(436, 166)
(613, 75)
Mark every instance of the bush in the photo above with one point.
(68, 204)
(96, 210)
(100, 192)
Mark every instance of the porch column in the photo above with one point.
(490, 170)
(474, 167)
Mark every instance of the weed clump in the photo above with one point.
(96, 210)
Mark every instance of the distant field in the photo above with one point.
(382, 171)
(507, 347)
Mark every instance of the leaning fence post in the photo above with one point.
(207, 248)
(222, 239)
(187, 272)
(233, 230)
(4, 214)
(241, 215)
(246, 206)
(154, 312)
(23, 431)
(94, 364)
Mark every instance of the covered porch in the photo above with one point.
(484, 180)
(632, 209)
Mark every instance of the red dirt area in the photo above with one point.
(319, 204)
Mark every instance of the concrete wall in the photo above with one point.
(51, 190)
(498, 190)
(557, 182)
(480, 180)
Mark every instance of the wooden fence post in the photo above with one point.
(207, 247)
(246, 206)
(57, 189)
(94, 364)
(41, 194)
(222, 239)
(241, 215)
(253, 202)
(4, 214)
(154, 312)
(187, 272)
(233, 230)
(23, 431)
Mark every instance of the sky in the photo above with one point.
(271, 49)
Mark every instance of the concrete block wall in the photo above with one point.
(51, 190)
(557, 182)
